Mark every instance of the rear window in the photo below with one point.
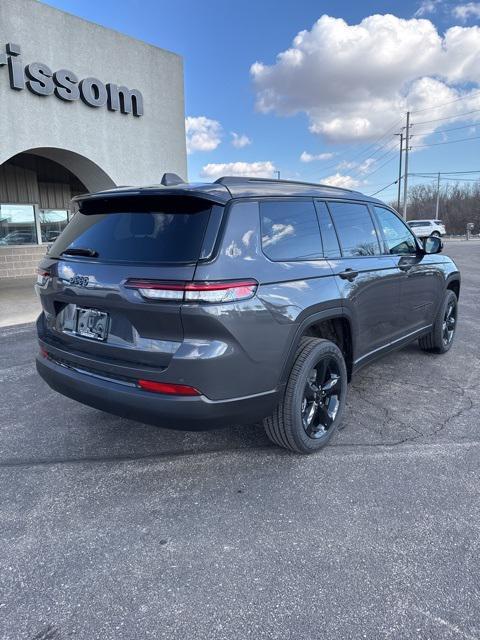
(150, 230)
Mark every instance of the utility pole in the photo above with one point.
(405, 175)
(278, 174)
(438, 197)
(400, 171)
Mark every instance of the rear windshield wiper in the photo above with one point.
(79, 251)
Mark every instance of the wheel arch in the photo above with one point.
(453, 283)
(334, 324)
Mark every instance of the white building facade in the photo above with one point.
(83, 108)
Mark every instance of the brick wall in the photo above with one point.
(17, 262)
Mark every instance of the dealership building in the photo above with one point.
(83, 108)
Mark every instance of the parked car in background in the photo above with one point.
(18, 237)
(199, 306)
(425, 228)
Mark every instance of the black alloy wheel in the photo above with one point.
(314, 400)
(321, 399)
(449, 322)
(440, 338)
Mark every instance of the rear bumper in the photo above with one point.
(174, 412)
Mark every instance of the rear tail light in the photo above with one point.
(168, 388)
(42, 277)
(210, 292)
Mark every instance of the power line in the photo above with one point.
(365, 150)
(358, 171)
(436, 144)
(458, 115)
(465, 97)
(429, 133)
(434, 173)
(447, 178)
(370, 173)
(383, 189)
(443, 175)
(461, 179)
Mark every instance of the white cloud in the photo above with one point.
(215, 170)
(345, 165)
(465, 11)
(340, 180)
(360, 167)
(354, 81)
(427, 7)
(203, 134)
(366, 165)
(309, 157)
(240, 140)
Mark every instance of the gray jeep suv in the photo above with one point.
(195, 306)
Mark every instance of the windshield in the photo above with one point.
(153, 230)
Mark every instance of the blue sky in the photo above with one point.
(319, 99)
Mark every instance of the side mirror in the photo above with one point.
(432, 244)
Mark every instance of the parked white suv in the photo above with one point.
(425, 228)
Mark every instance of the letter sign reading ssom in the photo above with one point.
(40, 80)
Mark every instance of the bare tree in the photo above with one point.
(459, 204)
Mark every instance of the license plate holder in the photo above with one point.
(92, 324)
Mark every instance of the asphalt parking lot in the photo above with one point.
(110, 529)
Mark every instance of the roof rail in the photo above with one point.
(226, 180)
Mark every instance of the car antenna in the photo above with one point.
(171, 179)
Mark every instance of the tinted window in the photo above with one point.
(355, 229)
(331, 247)
(398, 237)
(290, 230)
(154, 230)
(420, 223)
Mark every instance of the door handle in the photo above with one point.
(348, 274)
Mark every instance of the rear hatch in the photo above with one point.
(90, 311)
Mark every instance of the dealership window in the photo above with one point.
(26, 224)
(52, 223)
(17, 224)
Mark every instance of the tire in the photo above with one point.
(440, 338)
(319, 372)
(436, 234)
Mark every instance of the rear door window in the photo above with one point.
(290, 230)
(355, 229)
(331, 248)
(140, 230)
